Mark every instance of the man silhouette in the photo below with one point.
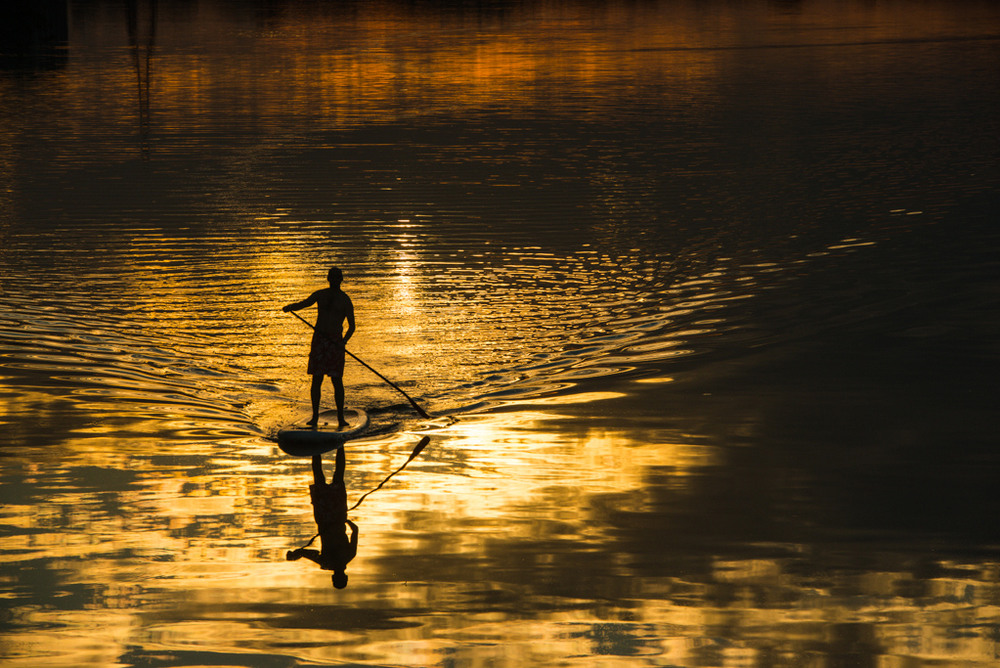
(330, 512)
(329, 341)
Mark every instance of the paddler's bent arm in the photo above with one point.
(353, 549)
(350, 321)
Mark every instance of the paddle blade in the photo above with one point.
(417, 450)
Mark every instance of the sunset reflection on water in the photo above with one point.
(521, 538)
(700, 297)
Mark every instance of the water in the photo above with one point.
(702, 296)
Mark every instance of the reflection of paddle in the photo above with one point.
(413, 455)
(413, 403)
(416, 451)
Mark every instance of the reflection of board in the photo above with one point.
(304, 441)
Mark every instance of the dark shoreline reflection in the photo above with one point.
(34, 35)
(142, 40)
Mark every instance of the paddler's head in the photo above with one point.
(335, 276)
(339, 579)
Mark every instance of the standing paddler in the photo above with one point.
(329, 341)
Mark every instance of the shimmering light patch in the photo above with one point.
(655, 381)
(578, 398)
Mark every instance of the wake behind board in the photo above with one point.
(303, 441)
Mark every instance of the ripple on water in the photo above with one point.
(92, 376)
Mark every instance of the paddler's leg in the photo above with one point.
(338, 395)
(315, 390)
(338, 472)
(318, 477)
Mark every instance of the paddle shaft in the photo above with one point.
(416, 451)
(413, 403)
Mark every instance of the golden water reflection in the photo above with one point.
(701, 419)
(504, 542)
(388, 62)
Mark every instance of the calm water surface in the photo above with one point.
(703, 298)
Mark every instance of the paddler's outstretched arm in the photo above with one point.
(311, 555)
(295, 306)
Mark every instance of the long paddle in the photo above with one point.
(413, 403)
(416, 451)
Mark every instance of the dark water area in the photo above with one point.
(703, 299)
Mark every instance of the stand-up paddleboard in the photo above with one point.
(304, 441)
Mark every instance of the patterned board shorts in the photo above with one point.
(326, 356)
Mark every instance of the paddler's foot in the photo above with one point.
(313, 422)
(344, 424)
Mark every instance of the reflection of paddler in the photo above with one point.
(329, 503)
